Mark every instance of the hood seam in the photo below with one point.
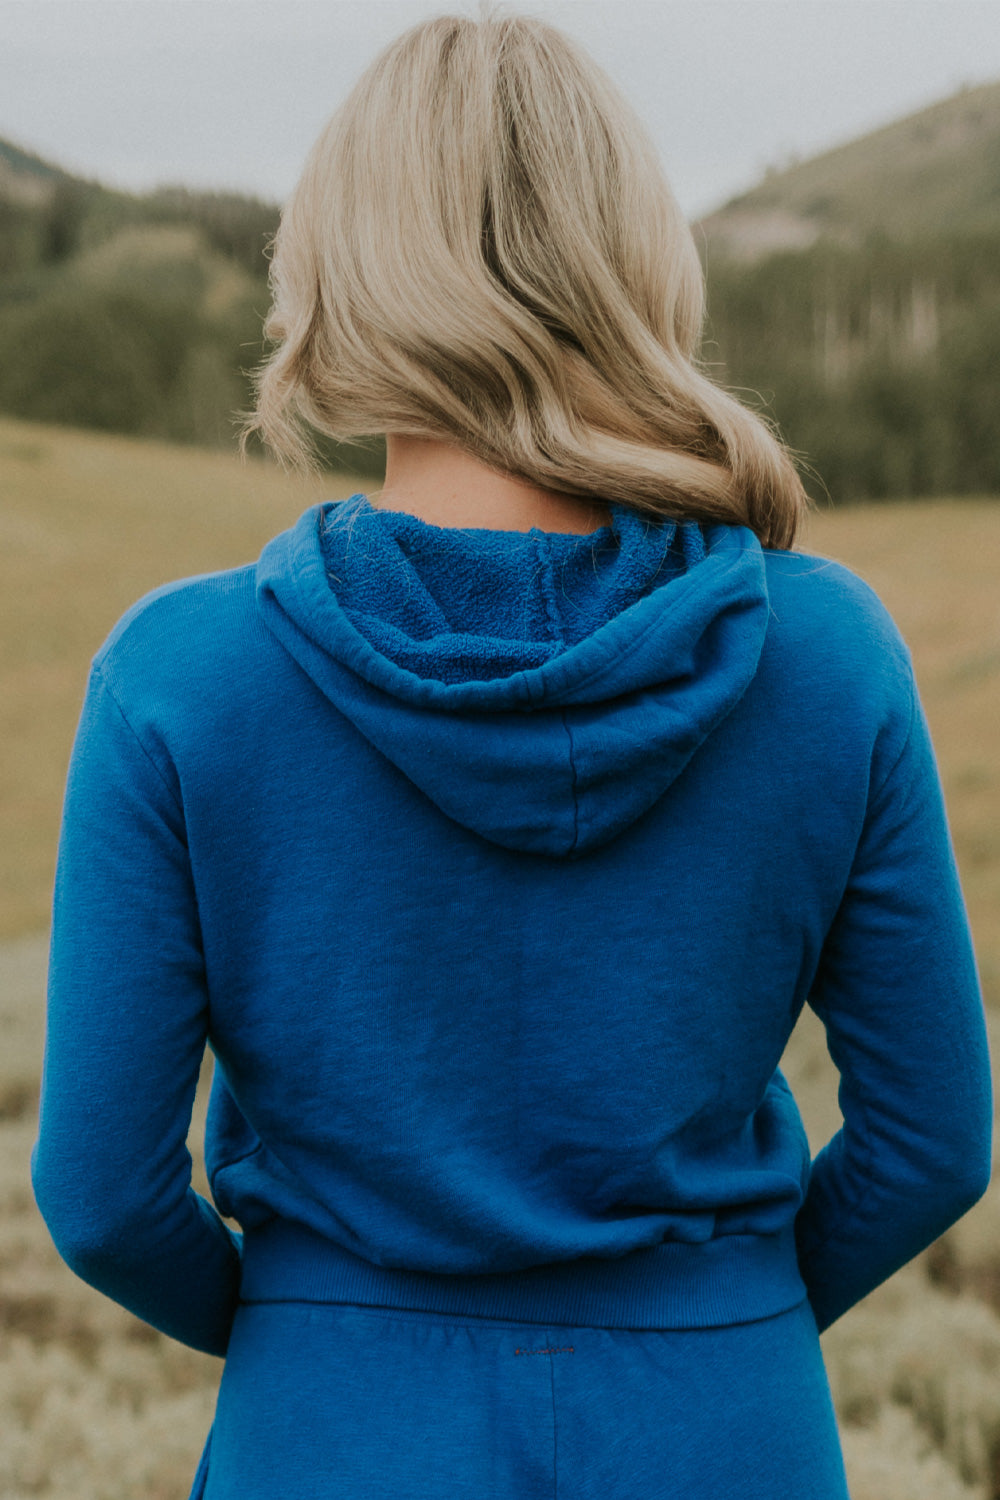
(527, 686)
(543, 550)
(635, 698)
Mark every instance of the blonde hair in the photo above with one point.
(483, 248)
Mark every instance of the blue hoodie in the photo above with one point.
(495, 869)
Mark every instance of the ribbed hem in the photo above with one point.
(733, 1279)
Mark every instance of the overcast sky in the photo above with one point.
(231, 93)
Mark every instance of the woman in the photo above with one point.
(493, 835)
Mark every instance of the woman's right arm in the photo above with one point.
(127, 1023)
(898, 993)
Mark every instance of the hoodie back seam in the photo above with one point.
(574, 784)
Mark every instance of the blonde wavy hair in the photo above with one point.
(483, 248)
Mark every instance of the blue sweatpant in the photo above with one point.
(335, 1401)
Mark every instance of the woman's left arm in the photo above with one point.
(127, 1024)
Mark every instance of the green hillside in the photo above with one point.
(855, 297)
(47, 215)
(935, 171)
(134, 313)
(128, 313)
(25, 176)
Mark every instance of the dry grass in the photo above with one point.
(87, 524)
(94, 1405)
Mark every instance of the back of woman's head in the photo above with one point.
(483, 248)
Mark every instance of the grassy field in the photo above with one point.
(87, 524)
(94, 1405)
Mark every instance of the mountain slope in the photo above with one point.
(24, 177)
(934, 171)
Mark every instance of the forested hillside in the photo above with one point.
(130, 313)
(858, 295)
(854, 297)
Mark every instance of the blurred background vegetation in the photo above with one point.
(859, 294)
(134, 314)
(855, 296)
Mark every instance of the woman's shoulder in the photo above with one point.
(834, 654)
(186, 642)
(188, 605)
(816, 598)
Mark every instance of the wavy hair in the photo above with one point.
(482, 247)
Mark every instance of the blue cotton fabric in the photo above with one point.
(336, 1400)
(495, 869)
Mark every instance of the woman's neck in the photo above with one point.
(444, 485)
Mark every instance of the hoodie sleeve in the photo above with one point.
(126, 1031)
(898, 994)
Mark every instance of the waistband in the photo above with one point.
(732, 1279)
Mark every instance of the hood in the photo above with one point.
(542, 689)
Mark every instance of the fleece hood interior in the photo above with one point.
(542, 689)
